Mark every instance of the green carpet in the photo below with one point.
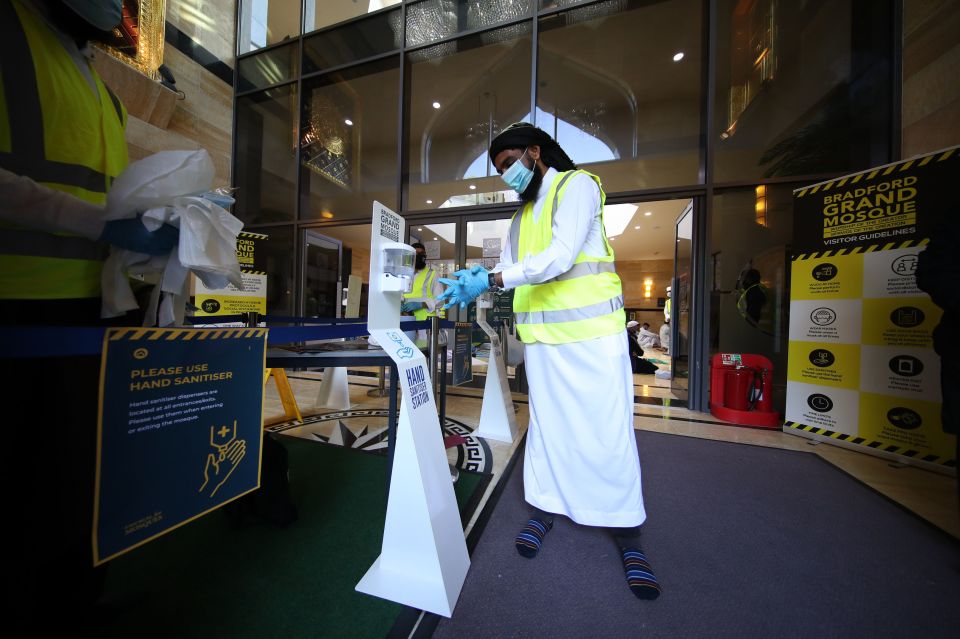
(209, 579)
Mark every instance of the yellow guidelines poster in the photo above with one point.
(861, 366)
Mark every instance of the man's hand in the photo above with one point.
(410, 307)
(131, 234)
(470, 284)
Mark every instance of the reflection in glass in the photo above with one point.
(802, 88)
(353, 41)
(324, 13)
(486, 13)
(266, 22)
(458, 101)
(321, 275)
(439, 240)
(354, 256)
(485, 239)
(280, 251)
(747, 318)
(429, 21)
(349, 141)
(637, 102)
(679, 299)
(264, 160)
(268, 68)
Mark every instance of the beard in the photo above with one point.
(530, 193)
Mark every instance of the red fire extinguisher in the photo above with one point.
(741, 390)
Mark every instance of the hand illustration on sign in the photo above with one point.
(221, 464)
(404, 352)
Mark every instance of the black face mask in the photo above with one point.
(530, 193)
(421, 261)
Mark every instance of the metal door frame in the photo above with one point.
(304, 243)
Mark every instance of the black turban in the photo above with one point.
(522, 134)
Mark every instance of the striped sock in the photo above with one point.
(639, 574)
(529, 540)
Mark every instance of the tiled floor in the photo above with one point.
(930, 495)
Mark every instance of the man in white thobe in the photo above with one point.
(581, 457)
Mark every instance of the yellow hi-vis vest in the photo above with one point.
(584, 303)
(422, 291)
(54, 130)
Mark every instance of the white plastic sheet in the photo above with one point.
(168, 188)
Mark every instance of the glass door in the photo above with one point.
(321, 275)
(679, 306)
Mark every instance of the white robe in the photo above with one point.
(647, 339)
(581, 454)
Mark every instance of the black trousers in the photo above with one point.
(50, 469)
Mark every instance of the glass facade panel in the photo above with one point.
(324, 13)
(266, 22)
(749, 272)
(265, 162)
(353, 41)
(348, 155)
(630, 114)
(429, 21)
(803, 88)
(487, 13)
(457, 99)
(440, 243)
(268, 68)
(279, 250)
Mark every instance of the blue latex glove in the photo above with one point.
(410, 307)
(469, 285)
(131, 234)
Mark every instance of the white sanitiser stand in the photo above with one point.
(334, 390)
(423, 561)
(497, 418)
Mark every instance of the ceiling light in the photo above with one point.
(436, 105)
(678, 56)
(435, 239)
(348, 122)
(648, 213)
(429, 201)
(473, 187)
(637, 227)
(326, 215)
(419, 228)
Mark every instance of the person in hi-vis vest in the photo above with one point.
(581, 456)
(61, 145)
(421, 301)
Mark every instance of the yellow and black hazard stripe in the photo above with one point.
(252, 272)
(888, 169)
(889, 246)
(185, 334)
(876, 445)
(256, 236)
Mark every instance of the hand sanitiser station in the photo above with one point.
(423, 561)
(497, 418)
